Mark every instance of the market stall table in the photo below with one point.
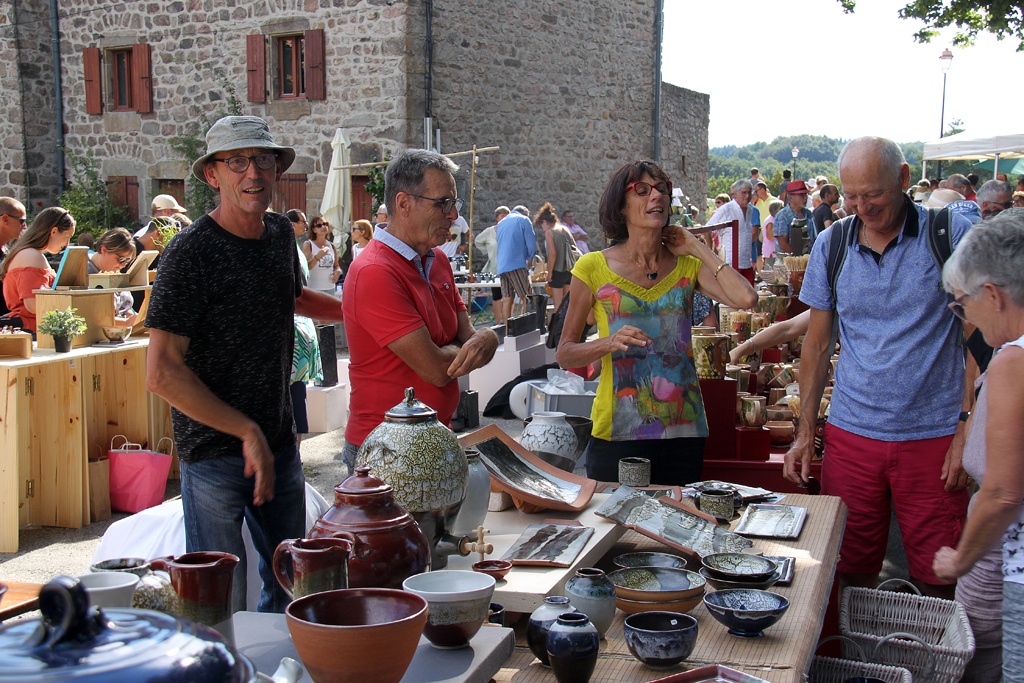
(782, 655)
(481, 316)
(264, 639)
(20, 597)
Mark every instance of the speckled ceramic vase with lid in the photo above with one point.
(423, 463)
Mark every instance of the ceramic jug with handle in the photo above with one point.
(202, 584)
(317, 564)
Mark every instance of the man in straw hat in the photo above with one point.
(220, 352)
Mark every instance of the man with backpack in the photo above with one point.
(895, 433)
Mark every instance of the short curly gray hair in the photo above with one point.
(992, 251)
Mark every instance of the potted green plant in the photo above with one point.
(63, 326)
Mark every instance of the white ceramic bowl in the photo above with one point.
(110, 589)
(458, 602)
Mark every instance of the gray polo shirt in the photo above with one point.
(901, 371)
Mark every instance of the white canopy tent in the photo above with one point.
(966, 145)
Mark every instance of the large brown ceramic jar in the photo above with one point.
(422, 461)
(389, 545)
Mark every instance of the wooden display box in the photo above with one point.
(753, 443)
(17, 344)
(720, 407)
(95, 305)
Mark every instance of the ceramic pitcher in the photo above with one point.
(202, 585)
(754, 411)
(317, 564)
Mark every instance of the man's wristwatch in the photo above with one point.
(964, 416)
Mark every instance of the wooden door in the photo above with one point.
(362, 202)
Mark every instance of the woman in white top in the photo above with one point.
(362, 233)
(321, 257)
(985, 276)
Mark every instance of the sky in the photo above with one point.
(804, 67)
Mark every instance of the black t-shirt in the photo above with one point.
(821, 214)
(234, 299)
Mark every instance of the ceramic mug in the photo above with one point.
(754, 412)
(635, 472)
(710, 354)
(720, 503)
(109, 589)
(739, 403)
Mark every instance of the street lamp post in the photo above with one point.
(796, 153)
(947, 59)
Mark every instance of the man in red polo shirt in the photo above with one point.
(406, 323)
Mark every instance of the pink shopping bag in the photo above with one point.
(138, 476)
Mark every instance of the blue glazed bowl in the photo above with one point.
(660, 640)
(630, 560)
(746, 612)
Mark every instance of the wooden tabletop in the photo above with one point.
(782, 655)
(20, 597)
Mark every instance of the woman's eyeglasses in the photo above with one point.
(123, 259)
(643, 189)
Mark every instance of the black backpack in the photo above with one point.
(844, 232)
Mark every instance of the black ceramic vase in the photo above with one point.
(541, 620)
(573, 645)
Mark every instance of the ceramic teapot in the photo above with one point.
(389, 546)
(76, 642)
(423, 463)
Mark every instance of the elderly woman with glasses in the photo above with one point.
(321, 257)
(640, 291)
(26, 269)
(986, 278)
(112, 252)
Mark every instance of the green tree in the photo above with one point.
(200, 198)
(1001, 18)
(86, 196)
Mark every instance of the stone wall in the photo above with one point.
(28, 165)
(565, 89)
(684, 140)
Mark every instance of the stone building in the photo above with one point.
(566, 90)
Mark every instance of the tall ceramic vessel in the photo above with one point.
(710, 353)
(573, 645)
(551, 438)
(593, 593)
(422, 461)
(478, 493)
(541, 620)
(389, 546)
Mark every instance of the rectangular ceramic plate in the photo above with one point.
(772, 521)
(526, 477)
(711, 674)
(549, 545)
(669, 522)
(785, 571)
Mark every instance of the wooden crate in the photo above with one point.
(95, 305)
(17, 344)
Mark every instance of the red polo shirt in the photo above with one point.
(385, 298)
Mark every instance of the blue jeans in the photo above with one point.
(216, 495)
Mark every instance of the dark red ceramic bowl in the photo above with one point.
(496, 568)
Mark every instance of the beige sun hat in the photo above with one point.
(162, 202)
(241, 132)
(939, 198)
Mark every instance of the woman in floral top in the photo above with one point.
(640, 291)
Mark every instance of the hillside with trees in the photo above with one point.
(818, 154)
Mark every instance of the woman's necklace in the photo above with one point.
(650, 275)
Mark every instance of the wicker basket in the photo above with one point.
(832, 670)
(937, 626)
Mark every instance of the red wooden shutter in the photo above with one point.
(362, 201)
(256, 67)
(124, 191)
(93, 80)
(316, 80)
(142, 79)
(290, 192)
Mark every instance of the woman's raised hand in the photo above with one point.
(680, 241)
